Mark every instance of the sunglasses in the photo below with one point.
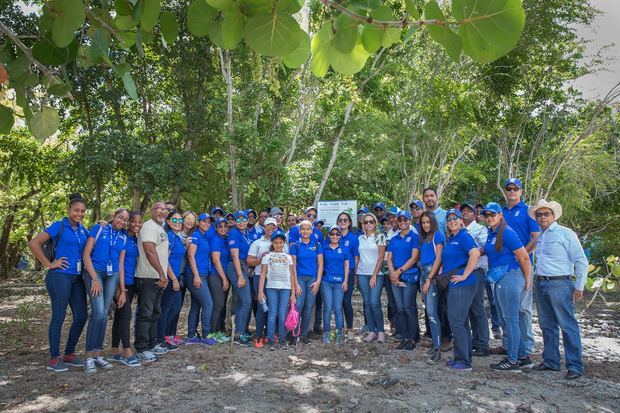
(378, 209)
(512, 189)
(241, 219)
(369, 222)
(452, 219)
(311, 215)
(543, 214)
(343, 220)
(489, 214)
(402, 219)
(177, 220)
(415, 208)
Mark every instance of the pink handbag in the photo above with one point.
(292, 321)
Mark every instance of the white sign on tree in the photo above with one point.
(328, 211)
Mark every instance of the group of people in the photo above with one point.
(245, 263)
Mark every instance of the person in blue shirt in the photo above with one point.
(218, 283)
(64, 281)
(124, 296)
(101, 258)
(379, 210)
(351, 241)
(334, 283)
(360, 218)
(431, 246)
(402, 255)
(416, 207)
(310, 216)
(199, 263)
(255, 230)
(559, 255)
(237, 272)
(171, 297)
(459, 258)
(307, 254)
(509, 268)
(517, 218)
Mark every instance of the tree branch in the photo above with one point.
(404, 22)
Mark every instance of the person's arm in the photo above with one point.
(36, 249)
(261, 283)
(173, 279)
(378, 265)
(95, 288)
(346, 275)
(434, 269)
(319, 274)
(474, 255)
(394, 275)
(234, 253)
(523, 259)
(191, 260)
(295, 288)
(580, 262)
(531, 246)
(415, 254)
(121, 296)
(220, 271)
(150, 252)
(253, 260)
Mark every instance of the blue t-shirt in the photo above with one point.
(352, 242)
(107, 247)
(131, 259)
(255, 233)
(70, 245)
(518, 219)
(427, 249)
(401, 249)
(294, 235)
(177, 252)
(307, 257)
(510, 243)
(334, 258)
(241, 241)
(456, 254)
(219, 244)
(203, 252)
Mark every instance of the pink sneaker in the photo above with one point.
(170, 340)
(178, 340)
(370, 337)
(381, 338)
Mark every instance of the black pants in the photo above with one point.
(446, 333)
(219, 301)
(149, 308)
(122, 321)
(477, 314)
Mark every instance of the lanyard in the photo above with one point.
(112, 241)
(247, 240)
(77, 235)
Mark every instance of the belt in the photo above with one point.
(553, 278)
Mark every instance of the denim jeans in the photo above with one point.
(148, 311)
(431, 301)
(202, 306)
(508, 295)
(372, 302)
(477, 314)
(460, 300)
(347, 303)
(305, 302)
(260, 317)
(495, 322)
(556, 311)
(525, 320)
(318, 311)
(277, 299)
(242, 298)
(405, 299)
(332, 296)
(99, 306)
(392, 314)
(65, 290)
(170, 307)
(174, 321)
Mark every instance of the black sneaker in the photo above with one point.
(397, 337)
(543, 367)
(572, 375)
(304, 340)
(435, 357)
(506, 365)
(497, 334)
(170, 347)
(271, 346)
(477, 352)
(409, 345)
(525, 363)
(315, 335)
(430, 352)
(242, 340)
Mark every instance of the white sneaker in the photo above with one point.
(89, 365)
(103, 363)
(159, 350)
(146, 357)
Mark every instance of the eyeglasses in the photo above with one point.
(369, 222)
(334, 234)
(343, 220)
(543, 214)
(452, 219)
(488, 215)
(512, 189)
(277, 215)
(241, 219)
(176, 220)
(311, 215)
(415, 208)
(402, 219)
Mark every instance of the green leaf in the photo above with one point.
(299, 55)
(412, 9)
(69, 16)
(489, 28)
(99, 48)
(46, 52)
(169, 26)
(254, 7)
(123, 7)
(320, 48)
(372, 37)
(366, 4)
(346, 33)
(59, 89)
(123, 71)
(226, 5)
(412, 30)
(348, 63)
(129, 38)
(215, 33)
(233, 24)
(45, 123)
(391, 36)
(441, 33)
(124, 22)
(293, 7)
(149, 14)
(272, 35)
(589, 284)
(199, 16)
(610, 285)
(6, 119)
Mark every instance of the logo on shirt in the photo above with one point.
(493, 241)
(408, 239)
(517, 213)
(339, 250)
(346, 243)
(231, 242)
(312, 248)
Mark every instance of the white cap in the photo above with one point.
(270, 221)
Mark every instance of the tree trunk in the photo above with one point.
(225, 63)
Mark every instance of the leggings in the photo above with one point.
(122, 321)
(219, 301)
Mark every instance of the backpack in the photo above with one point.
(49, 246)
(292, 321)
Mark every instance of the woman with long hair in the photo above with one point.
(351, 241)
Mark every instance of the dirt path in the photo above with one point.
(313, 378)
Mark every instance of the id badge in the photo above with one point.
(109, 268)
(79, 266)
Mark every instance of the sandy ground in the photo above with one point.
(311, 378)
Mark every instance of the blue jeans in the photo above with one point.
(174, 321)
(332, 296)
(277, 299)
(477, 314)
(347, 303)
(431, 300)
(260, 316)
(242, 298)
(99, 306)
(525, 320)
(495, 323)
(305, 302)
(65, 290)
(556, 311)
(459, 304)
(508, 295)
(372, 302)
(406, 306)
(202, 306)
(170, 309)
(392, 314)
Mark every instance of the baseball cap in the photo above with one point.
(333, 227)
(217, 208)
(393, 210)
(240, 214)
(492, 207)
(275, 211)
(220, 220)
(513, 181)
(363, 210)
(278, 234)
(309, 208)
(416, 202)
(270, 220)
(203, 216)
(468, 205)
(455, 211)
(403, 213)
(379, 205)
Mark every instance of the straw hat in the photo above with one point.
(552, 205)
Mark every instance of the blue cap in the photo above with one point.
(229, 214)
(492, 207)
(393, 210)
(203, 216)
(240, 214)
(379, 205)
(416, 202)
(513, 181)
(278, 234)
(309, 208)
(219, 221)
(363, 210)
(217, 208)
(403, 213)
(454, 211)
(333, 227)
(247, 211)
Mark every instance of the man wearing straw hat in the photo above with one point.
(558, 257)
